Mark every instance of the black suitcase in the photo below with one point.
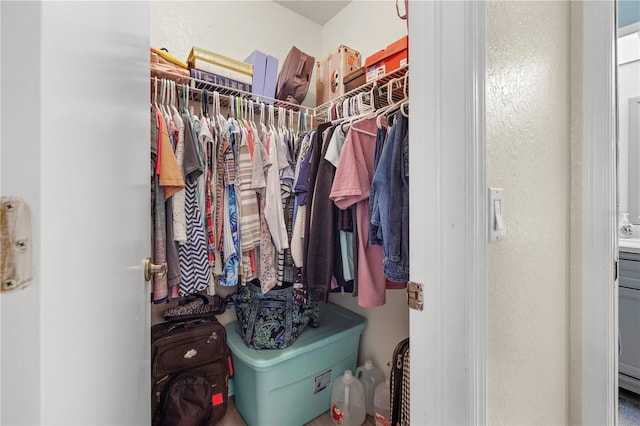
(198, 346)
(400, 415)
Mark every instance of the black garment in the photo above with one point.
(318, 291)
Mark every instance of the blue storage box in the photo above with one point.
(292, 386)
(265, 74)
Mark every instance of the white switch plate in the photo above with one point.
(496, 215)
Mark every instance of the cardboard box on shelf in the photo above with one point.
(220, 65)
(331, 71)
(394, 56)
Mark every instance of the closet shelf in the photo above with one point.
(196, 86)
(394, 81)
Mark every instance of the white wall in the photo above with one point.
(528, 138)
(234, 29)
(20, 118)
(628, 87)
(365, 25)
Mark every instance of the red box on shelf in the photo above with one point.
(396, 55)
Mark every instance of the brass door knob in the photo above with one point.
(152, 268)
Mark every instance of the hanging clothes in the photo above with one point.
(324, 263)
(345, 223)
(250, 216)
(301, 183)
(396, 260)
(318, 290)
(178, 217)
(231, 237)
(168, 181)
(194, 266)
(351, 186)
(273, 199)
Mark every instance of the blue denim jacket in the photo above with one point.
(390, 200)
(380, 186)
(396, 260)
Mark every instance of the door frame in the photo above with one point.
(448, 211)
(453, 322)
(599, 215)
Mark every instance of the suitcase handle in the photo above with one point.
(186, 324)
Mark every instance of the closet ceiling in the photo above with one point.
(319, 11)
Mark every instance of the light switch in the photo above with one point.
(498, 215)
(496, 221)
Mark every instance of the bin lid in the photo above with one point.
(336, 323)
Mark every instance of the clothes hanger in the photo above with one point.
(239, 112)
(215, 113)
(311, 118)
(357, 111)
(263, 119)
(165, 97)
(390, 104)
(161, 107)
(280, 119)
(252, 113)
(272, 118)
(155, 92)
(185, 98)
(402, 108)
(232, 101)
(285, 122)
(405, 90)
(174, 98)
(221, 122)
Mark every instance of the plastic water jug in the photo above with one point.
(382, 404)
(370, 377)
(347, 401)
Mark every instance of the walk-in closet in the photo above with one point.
(180, 27)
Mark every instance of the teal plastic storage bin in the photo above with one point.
(292, 386)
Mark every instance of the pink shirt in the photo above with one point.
(351, 185)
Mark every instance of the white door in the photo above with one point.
(83, 147)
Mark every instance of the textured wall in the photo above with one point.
(528, 138)
(234, 29)
(380, 28)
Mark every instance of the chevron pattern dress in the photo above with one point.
(195, 274)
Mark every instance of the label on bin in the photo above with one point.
(336, 414)
(322, 381)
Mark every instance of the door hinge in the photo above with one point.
(615, 270)
(414, 296)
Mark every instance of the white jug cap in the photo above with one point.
(348, 376)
